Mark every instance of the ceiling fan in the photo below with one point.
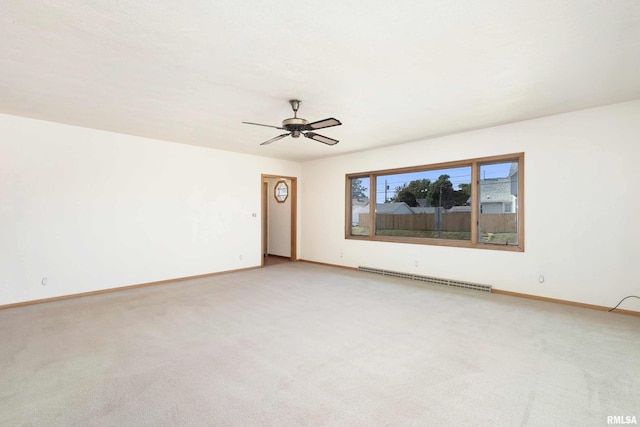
(297, 126)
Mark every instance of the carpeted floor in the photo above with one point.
(299, 344)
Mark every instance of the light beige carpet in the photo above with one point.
(299, 344)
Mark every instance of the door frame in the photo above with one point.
(293, 195)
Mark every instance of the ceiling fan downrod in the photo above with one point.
(295, 124)
(295, 104)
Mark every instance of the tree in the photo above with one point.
(443, 187)
(406, 196)
(358, 190)
(409, 193)
(419, 188)
(440, 192)
(465, 189)
(461, 197)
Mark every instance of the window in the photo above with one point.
(470, 203)
(498, 194)
(281, 191)
(359, 190)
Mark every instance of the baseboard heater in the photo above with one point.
(428, 279)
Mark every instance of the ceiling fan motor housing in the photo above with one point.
(295, 125)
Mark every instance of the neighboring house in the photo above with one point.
(362, 207)
(513, 176)
(397, 208)
(500, 195)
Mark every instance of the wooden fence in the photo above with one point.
(499, 223)
(451, 221)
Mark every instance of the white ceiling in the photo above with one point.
(391, 71)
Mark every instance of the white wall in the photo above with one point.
(582, 230)
(94, 210)
(279, 221)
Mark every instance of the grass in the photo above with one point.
(499, 238)
(429, 234)
(357, 230)
(496, 238)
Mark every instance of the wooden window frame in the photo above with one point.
(275, 191)
(475, 205)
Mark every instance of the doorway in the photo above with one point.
(279, 219)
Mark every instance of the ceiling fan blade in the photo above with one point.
(260, 124)
(320, 138)
(326, 123)
(275, 139)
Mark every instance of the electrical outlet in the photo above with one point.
(241, 256)
(44, 281)
(541, 278)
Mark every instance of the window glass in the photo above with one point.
(427, 204)
(281, 191)
(360, 206)
(498, 201)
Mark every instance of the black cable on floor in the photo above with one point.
(630, 296)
